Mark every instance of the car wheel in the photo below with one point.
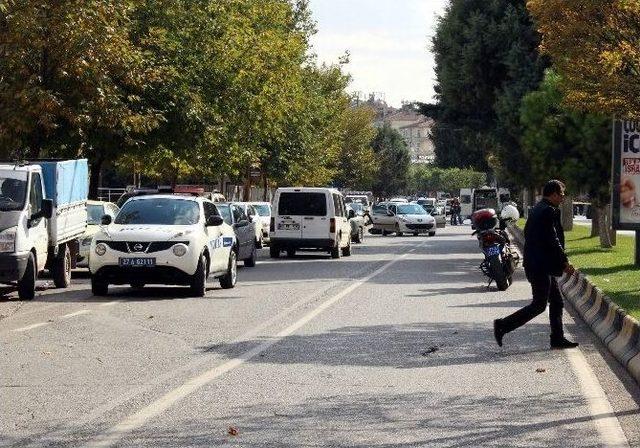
(228, 280)
(274, 251)
(27, 284)
(251, 261)
(61, 268)
(398, 232)
(335, 251)
(259, 243)
(346, 251)
(291, 253)
(199, 279)
(415, 234)
(99, 287)
(432, 233)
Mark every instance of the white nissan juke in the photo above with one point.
(164, 239)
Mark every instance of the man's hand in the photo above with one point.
(569, 269)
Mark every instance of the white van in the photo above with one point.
(309, 218)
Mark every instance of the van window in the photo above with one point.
(338, 205)
(302, 203)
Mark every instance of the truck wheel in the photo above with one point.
(27, 284)
(274, 251)
(228, 280)
(61, 268)
(251, 261)
(199, 279)
(99, 287)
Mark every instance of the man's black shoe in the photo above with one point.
(497, 331)
(562, 343)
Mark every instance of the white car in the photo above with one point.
(264, 216)
(254, 217)
(402, 218)
(164, 239)
(95, 211)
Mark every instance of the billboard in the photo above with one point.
(626, 175)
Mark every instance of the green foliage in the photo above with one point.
(357, 166)
(566, 144)
(425, 179)
(486, 61)
(394, 159)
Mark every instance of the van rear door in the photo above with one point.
(302, 214)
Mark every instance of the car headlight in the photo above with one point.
(8, 240)
(179, 250)
(101, 249)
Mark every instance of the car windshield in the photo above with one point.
(411, 209)
(262, 209)
(160, 211)
(225, 212)
(95, 212)
(13, 190)
(356, 206)
(302, 204)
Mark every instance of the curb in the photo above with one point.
(617, 330)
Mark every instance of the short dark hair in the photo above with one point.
(553, 186)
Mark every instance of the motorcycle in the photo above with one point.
(500, 259)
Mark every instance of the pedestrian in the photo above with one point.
(455, 212)
(544, 260)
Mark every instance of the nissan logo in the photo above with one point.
(138, 247)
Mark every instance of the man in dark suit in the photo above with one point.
(544, 260)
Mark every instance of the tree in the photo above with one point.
(567, 144)
(595, 47)
(394, 160)
(486, 61)
(357, 165)
(429, 179)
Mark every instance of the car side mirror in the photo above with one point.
(352, 214)
(214, 221)
(106, 220)
(46, 208)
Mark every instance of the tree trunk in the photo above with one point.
(94, 178)
(246, 191)
(567, 213)
(265, 186)
(595, 221)
(606, 240)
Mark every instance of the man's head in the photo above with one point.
(553, 191)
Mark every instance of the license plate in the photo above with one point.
(285, 226)
(491, 251)
(136, 262)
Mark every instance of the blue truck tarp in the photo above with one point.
(65, 181)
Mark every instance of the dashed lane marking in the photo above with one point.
(77, 313)
(30, 327)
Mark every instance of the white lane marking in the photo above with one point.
(136, 420)
(115, 302)
(30, 327)
(605, 419)
(77, 313)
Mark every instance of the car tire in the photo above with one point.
(385, 233)
(274, 251)
(259, 243)
(251, 261)
(61, 268)
(228, 280)
(398, 232)
(99, 287)
(346, 251)
(415, 233)
(27, 284)
(335, 251)
(198, 284)
(432, 233)
(291, 253)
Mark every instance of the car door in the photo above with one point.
(342, 220)
(389, 220)
(217, 249)
(243, 231)
(315, 214)
(37, 230)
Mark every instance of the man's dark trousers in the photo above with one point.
(545, 289)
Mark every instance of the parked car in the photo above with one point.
(403, 218)
(264, 217)
(361, 199)
(254, 217)
(309, 219)
(164, 239)
(95, 211)
(357, 223)
(378, 216)
(434, 210)
(234, 214)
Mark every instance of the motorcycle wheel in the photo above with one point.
(497, 272)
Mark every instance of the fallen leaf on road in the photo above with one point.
(233, 431)
(46, 353)
(432, 349)
(455, 332)
(99, 360)
(540, 370)
(50, 320)
(150, 317)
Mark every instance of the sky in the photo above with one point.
(388, 41)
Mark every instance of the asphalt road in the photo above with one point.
(391, 347)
